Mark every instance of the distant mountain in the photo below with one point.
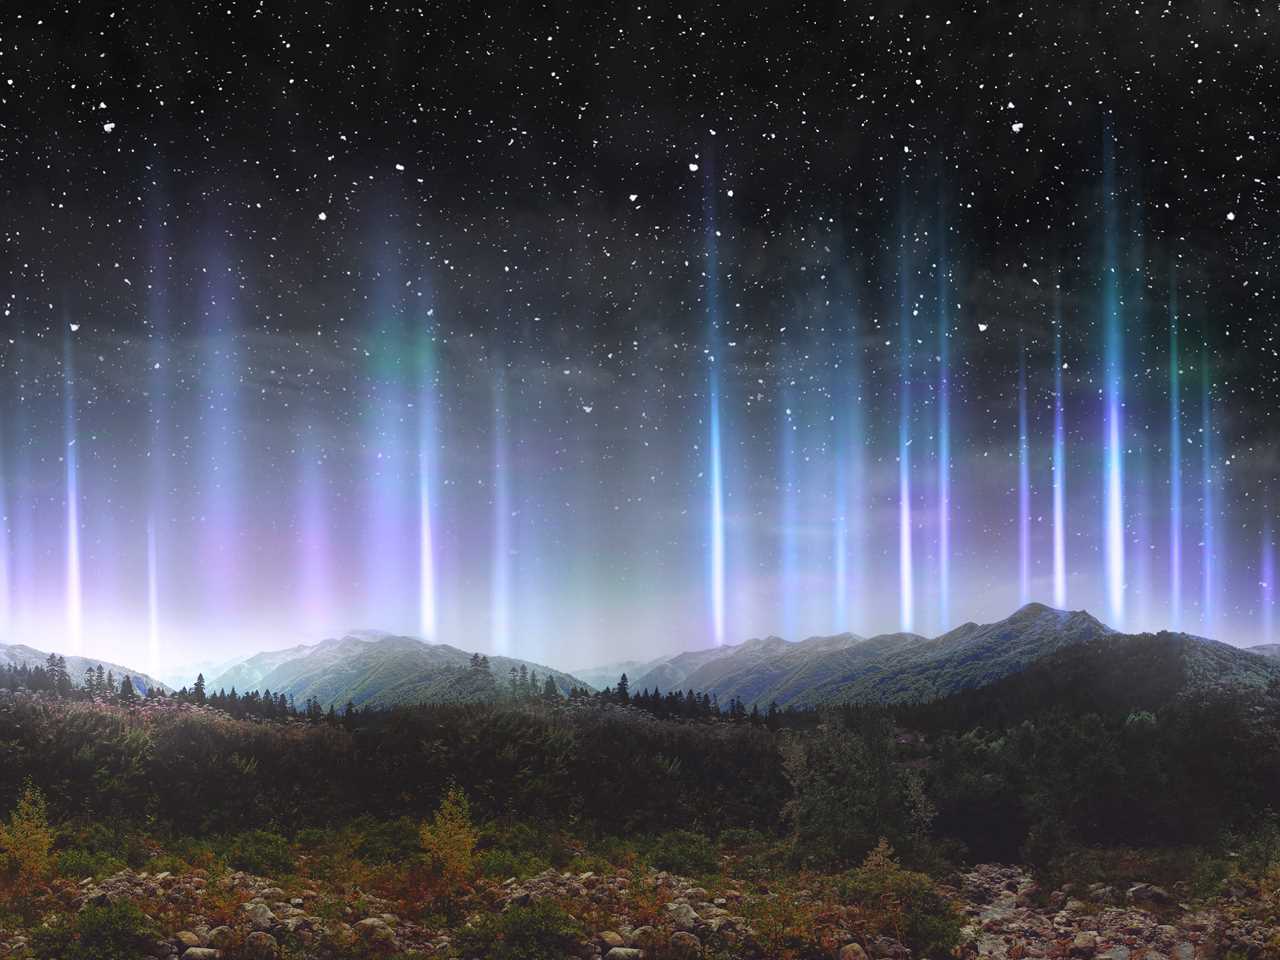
(1266, 649)
(607, 674)
(377, 670)
(908, 668)
(890, 667)
(1111, 675)
(19, 655)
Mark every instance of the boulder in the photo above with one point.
(1148, 893)
(259, 915)
(260, 946)
(1085, 944)
(682, 915)
(646, 938)
(624, 953)
(185, 938)
(376, 931)
(685, 946)
(852, 951)
(221, 937)
(201, 953)
(611, 938)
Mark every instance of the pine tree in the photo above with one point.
(198, 689)
(90, 682)
(127, 693)
(624, 689)
(549, 691)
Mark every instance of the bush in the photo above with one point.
(385, 841)
(902, 903)
(686, 852)
(500, 864)
(26, 841)
(261, 852)
(119, 931)
(449, 841)
(540, 931)
(76, 863)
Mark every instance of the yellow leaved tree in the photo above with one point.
(26, 841)
(449, 840)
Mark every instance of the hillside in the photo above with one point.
(20, 655)
(908, 668)
(1266, 649)
(1111, 676)
(382, 671)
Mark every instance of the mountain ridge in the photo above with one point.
(20, 655)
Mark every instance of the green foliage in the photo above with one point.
(261, 852)
(449, 841)
(849, 790)
(540, 931)
(118, 931)
(385, 841)
(500, 864)
(76, 863)
(26, 840)
(902, 903)
(685, 852)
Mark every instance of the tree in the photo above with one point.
(127, 694)
(624, 689)
(26, 841)
(549, 690)
(90, 682)
(198, 689)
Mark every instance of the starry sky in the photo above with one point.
(585, 332)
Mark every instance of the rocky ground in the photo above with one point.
(658, 915)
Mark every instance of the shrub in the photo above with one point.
(26, 841)
(902, 903)
(449, 841)
(119, 931)
(261, 852)
(500, 864)
(683, 851)
(540, 931)
(385, 841)
(75, 863)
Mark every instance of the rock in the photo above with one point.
(624, 953)
(259, 915)
(611, 938)
(375, 930)
(1148, 893)
(201, 953)
(1116, 952)
(886, 948)
(1184, 951)
(685, 946)
(185, 938)
(682, 915)
(260, 946)
(1085, 944)
(221, 937)
(852, 951)
(645, 938)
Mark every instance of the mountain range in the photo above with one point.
(372, 669)
(907, 667)
(20, 655)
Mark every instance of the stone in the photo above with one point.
(185, 938)
(685, 946)
(259, 915)
(1184, 951)
(260, 946)
(1085, 944)
(1148, 893)
(221, 937)
(646, 938)
(1117, 952)
(852, 951)
(682, 915)
(611, 938)
(624, 953)
(201, 953)
(375, 930)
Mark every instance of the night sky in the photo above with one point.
(580, 334)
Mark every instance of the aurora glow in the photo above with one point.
(588, 340)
